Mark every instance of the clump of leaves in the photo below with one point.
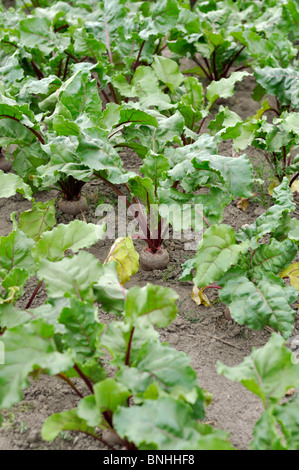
(245, 266)
(270, 372)
(154, 386)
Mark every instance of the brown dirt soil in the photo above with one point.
(203, 333)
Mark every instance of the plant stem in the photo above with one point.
(284, 159)
(37, 134)
(61, 27)
(232, 61)
(201, 214)
(70, 383)
(203, 69)
(112, 91)
(212, 287)
(183, 138)
(66, 67)
(34, 294)
(127, 362)
(138, 57)
(108, 41)
(72, 57)
(158, 47)
(294, 179)
(84, 378)
(37, 71)
(214, 65)
(201, 124)
(271, 109)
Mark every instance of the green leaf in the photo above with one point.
(15, 251)
(143, 188)
(71, 277)
(280, 82)
(272, 218)
(28, 347)
(217, 252)
(162, 424)
(164, 17)
(11, 71)
(39, 219)
(145, 86)
(82, 328)
(11, 184)
(125, 255)
(168, 371)
(110, 395)
(267, 303)
(79, 94)
(287, 417)
(65, 421)
(268, 372)
(14, 283)
(11, 316)
(272, 258)
(237, 172)
(226, 123)
(109, 291)
(35, 33)
(265, 433)
(118, 337)
(154, 166)
(224, 88)
(74, 236)
(151, 304)
(168, 72)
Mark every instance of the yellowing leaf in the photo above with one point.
(292, 272)
(199, 297)
(127, 258)
(12, 291)
(243, 203)
(273, 185)
(295, 187)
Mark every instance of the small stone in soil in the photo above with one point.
(34, 436)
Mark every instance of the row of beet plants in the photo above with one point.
(74, 92)
(152, 400)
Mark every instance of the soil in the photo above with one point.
(203, 333)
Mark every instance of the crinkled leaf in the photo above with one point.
(224, 88)
(109, 291)
(257, 305)
(39, 219)
(268, 372)
(151, 304)
(71, 277)
(82, 327)
(28, 347)
(74, 236)
(217, 252)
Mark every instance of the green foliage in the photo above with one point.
(269, 372)
(248, 272)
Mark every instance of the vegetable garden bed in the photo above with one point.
(98, 122)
